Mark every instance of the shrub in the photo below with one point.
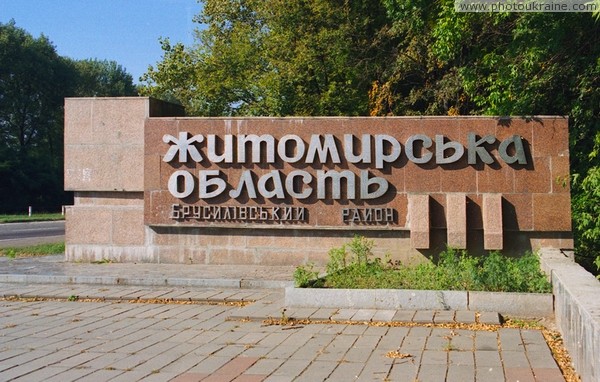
(455, 270)
(304, 274)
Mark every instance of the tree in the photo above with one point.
(313, 57)
(102, 78)
(34, 80)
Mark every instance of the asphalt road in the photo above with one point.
(23, 234)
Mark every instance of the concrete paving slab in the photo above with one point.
(424, 316)
(489, 318)
(403, 316)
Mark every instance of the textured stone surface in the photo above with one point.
(114, 150)
(104, 142)
(106, 226)
(492, 222)
(457, 220)
(272, 247)
(513, 304)
(405, 177)
(376, 299)
(418, 212)
(104, 339)
(577, 311)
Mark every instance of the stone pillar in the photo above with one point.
(104, 166)
(456, 220)
(418, 213)
(492, 222)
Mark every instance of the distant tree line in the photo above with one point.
(396, 57)
(34, 80)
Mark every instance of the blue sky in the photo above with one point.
(126, 31)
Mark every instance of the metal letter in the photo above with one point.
(299, 149)
(247, 182)
(380, 157)
(336, 180)
(345, 214)
(365, 183)
(410, 148)
(188, 184)
(183, 146)
(277, 191)
(252, 213)
(264, 214)
(256, 141)
(355, 215)
(378, 214)
(275, 212)
(389, 214)
(316, 148)
(175, 211)
(441, 147)
(474, 150)
(227, 155)
(365, 151)
(204, 183)
(519, 150)
(289, 184)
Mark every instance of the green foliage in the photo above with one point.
(34, 250)
(102, 78)
(32, 218)
(314, 57)
(454, 270)
(338, 259)
(586, 213)
(304, 274)
(102, 261)
(33, 83)
(362, 250)
(34, 80)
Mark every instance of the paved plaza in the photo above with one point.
(216, 335)
(156, 322)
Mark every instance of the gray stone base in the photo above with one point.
(512, 304)
(577, 300)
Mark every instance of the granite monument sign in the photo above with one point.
(153, 185)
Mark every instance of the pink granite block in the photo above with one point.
(418, 217)
(492, 221)
(456, 220)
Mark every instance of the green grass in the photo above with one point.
(34, 250)
(455, 270)
(32, 218)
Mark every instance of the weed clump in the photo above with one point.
(354, 266)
